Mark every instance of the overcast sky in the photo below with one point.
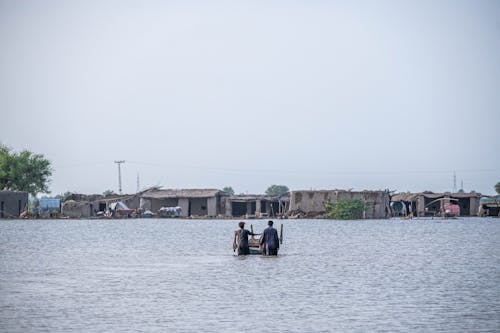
(207, 94)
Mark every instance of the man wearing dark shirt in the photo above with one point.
(270, 242)
(241, 239)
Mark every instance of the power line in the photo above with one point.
(310, 171)
(289, 172)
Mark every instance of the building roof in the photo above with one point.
(12, 192)
(431, 195)
(490, 199)
(180, 193)
(252, 197)
(338, 191)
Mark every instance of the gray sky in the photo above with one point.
(310, 94)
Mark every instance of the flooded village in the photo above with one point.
(237, 166)
(217, 204)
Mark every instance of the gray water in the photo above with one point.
(181, 276)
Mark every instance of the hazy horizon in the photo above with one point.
(308, 94)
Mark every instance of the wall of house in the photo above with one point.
(221, 205)
(184, 204)
(377, 202)
(420, 206)
(156, 204)
(78, 209)
(309, 201)
(132, 202)
(228, 207)
(474, 206)
(12, 204)
(145, 204)
(198, 206)
(212, 206)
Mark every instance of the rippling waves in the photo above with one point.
(181, 276)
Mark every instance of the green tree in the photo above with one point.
(24, 171)
(64, 196)
(277, 190)
(345, 209)
(497, 188)
(108, 193)
(228, 189)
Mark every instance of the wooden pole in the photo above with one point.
(281, 234)
(234, 243)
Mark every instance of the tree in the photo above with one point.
(345, 209)
(64, 196)
(497, 188)
(108, 193)
(228, 190)
(277, 190)
(24, 171)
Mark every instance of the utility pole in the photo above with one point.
(119, 176)
(454, 182)
(138, 187)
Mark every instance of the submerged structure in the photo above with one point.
(192, 202)
(489, 206)
(166, 202)
(85, 206)
(49, 207)
(13, 203)
(435, 204)
(214, 203)
(313, 203)
(254, 205)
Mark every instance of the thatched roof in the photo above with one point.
(180, 193)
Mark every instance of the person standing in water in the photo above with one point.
(270, 241)
(241, 239)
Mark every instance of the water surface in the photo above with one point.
(164, 275)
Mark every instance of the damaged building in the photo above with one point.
(252, 205)
(312, 203)
(193, 202)
(434, 204)
(12, 203)
(489, 206)
(85, 206)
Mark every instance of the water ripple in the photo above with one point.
(182, 276)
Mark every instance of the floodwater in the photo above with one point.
(165, 275)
